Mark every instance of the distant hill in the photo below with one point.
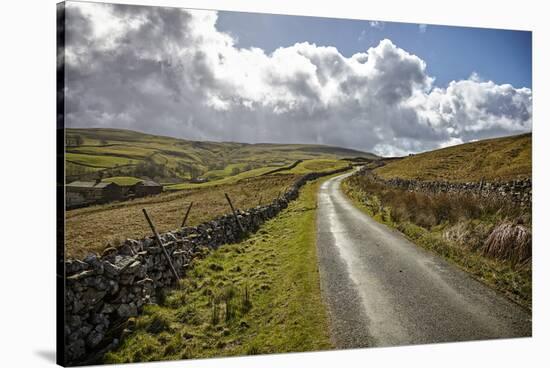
(495, 159)
(118, 152)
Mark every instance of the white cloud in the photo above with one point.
(170, 71)
(377, 24)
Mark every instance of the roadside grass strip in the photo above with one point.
(259, 296)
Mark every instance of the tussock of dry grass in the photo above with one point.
(510, 242)
(95, 228)
(467, 234)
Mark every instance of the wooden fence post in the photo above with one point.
(234, 213)
(159, 241)
(186, 214)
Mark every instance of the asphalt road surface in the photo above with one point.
(383, 290)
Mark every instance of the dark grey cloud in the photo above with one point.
(170, 71)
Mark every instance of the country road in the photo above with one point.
(383, 290)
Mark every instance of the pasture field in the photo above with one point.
(92, 229)
(98, 161)
(317, 165)
(118, 150)
(223, 181)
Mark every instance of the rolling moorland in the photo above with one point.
(126, 153)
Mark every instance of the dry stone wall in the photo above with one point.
(518, 191)
(101, 292)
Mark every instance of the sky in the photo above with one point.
(451, 53)
(382, 87)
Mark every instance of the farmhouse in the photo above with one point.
(147, 188)
(79, 193)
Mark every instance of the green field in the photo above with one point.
(308, 166)
(225, 180)
(492, 159)
(229, 170)
(170, 160)
(317, 165)
(103, 161)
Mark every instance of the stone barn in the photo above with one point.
(146, 188)
(80, 193)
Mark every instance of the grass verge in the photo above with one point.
(257, 297)
(457, 229)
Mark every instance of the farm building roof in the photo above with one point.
(89, 184)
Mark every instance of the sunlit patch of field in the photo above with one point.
(98, 161)
(317, 165)
(226, 180)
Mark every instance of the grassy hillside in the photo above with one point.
(222, 181)
(128, 153)
(492, 159)
(304, 167)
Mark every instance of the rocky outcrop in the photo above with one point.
(103, 291)
(518, 191)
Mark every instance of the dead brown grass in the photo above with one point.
(95, 228)
(428, 210)
(499, 229)
(509, 241)
(468, 234)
